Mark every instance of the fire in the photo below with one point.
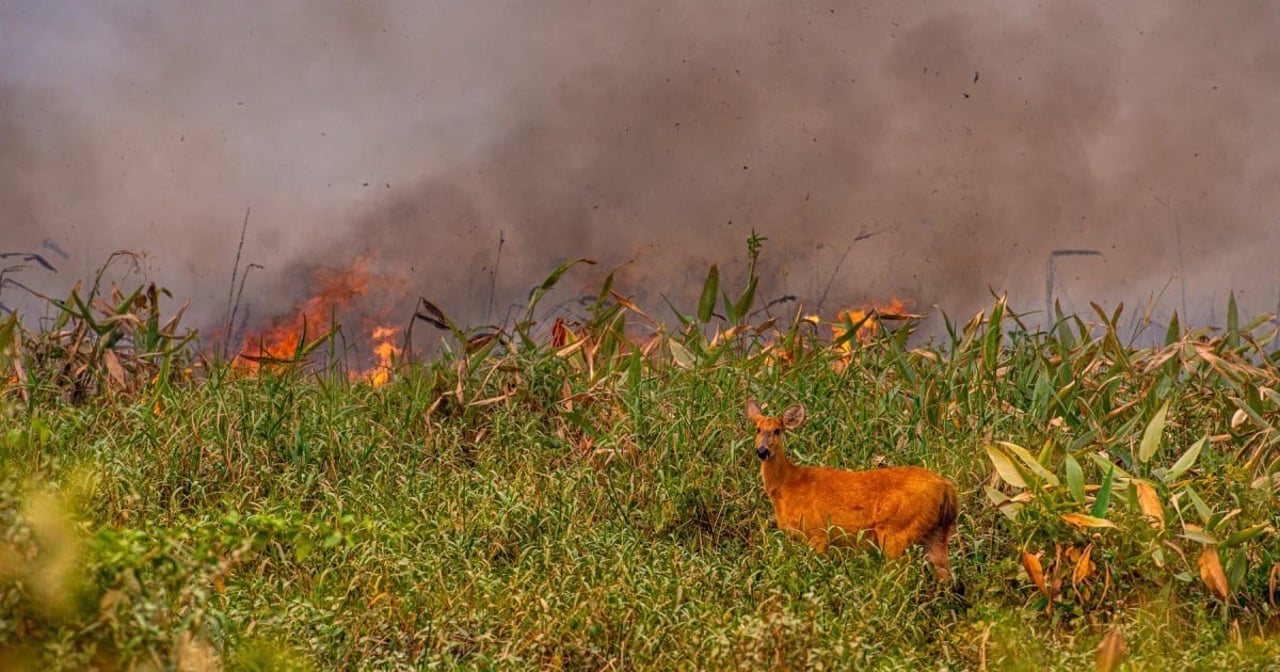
(894, 308)
(872, 313)
(340, 294)
(386, 353)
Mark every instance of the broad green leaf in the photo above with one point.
(1196, 534)
(1185, 462)
(710, 289)
(1151, 436)
(1075, 478)
(730, 315)
(1005, 467)
(1106, 465)
(680, 354)
(1103, 500)
(1027, 459)
(1246, 535)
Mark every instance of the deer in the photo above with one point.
(894, 506)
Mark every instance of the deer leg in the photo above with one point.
(892, 545)
(818, 541)
(936, 550)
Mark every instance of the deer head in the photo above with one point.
(769, 429)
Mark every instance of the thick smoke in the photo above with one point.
(931, 151)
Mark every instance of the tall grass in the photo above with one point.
(587, 498)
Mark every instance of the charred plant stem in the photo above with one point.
(860, 237)
(235, 269)
(493, 276)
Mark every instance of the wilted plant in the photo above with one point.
(102, 340)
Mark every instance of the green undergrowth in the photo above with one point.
(589, 499)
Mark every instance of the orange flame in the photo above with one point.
(338, 291)
(386, 353)
(871, 327)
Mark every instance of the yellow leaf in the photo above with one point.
(1004, 467)
(1083, 520)
(1110, 651)
(1149, 502)
(1211, 573)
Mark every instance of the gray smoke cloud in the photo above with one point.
(932, 151)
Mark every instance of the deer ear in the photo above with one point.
(753, 411)
(793, 417)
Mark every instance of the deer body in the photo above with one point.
(896, 507)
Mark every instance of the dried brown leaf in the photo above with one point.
(1211, 573)
(1271, 584)
(1149, 502)
(1084, 567)
(114, 369)
(1031, 563)
(1110, 651)
(1083, 520)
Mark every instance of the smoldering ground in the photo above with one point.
(924, 150)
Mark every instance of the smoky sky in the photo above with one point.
(932, 151)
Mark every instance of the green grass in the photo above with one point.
(606, 510)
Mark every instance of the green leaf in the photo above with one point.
(1185, 462)
(1235, 570)
(1001, 502)
(1246, 535)
(1205, 513)
(993, 338)
(1075, 478)
(1005, 467)
(1151, 436)
(710, 289)
(551, 280)
(1034, 466)
(1100, 504)
(1199, 536)
(681, 355)
(1106, 465)
(1174, 332)
(730, 315)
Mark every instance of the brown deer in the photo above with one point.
(896, 506)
